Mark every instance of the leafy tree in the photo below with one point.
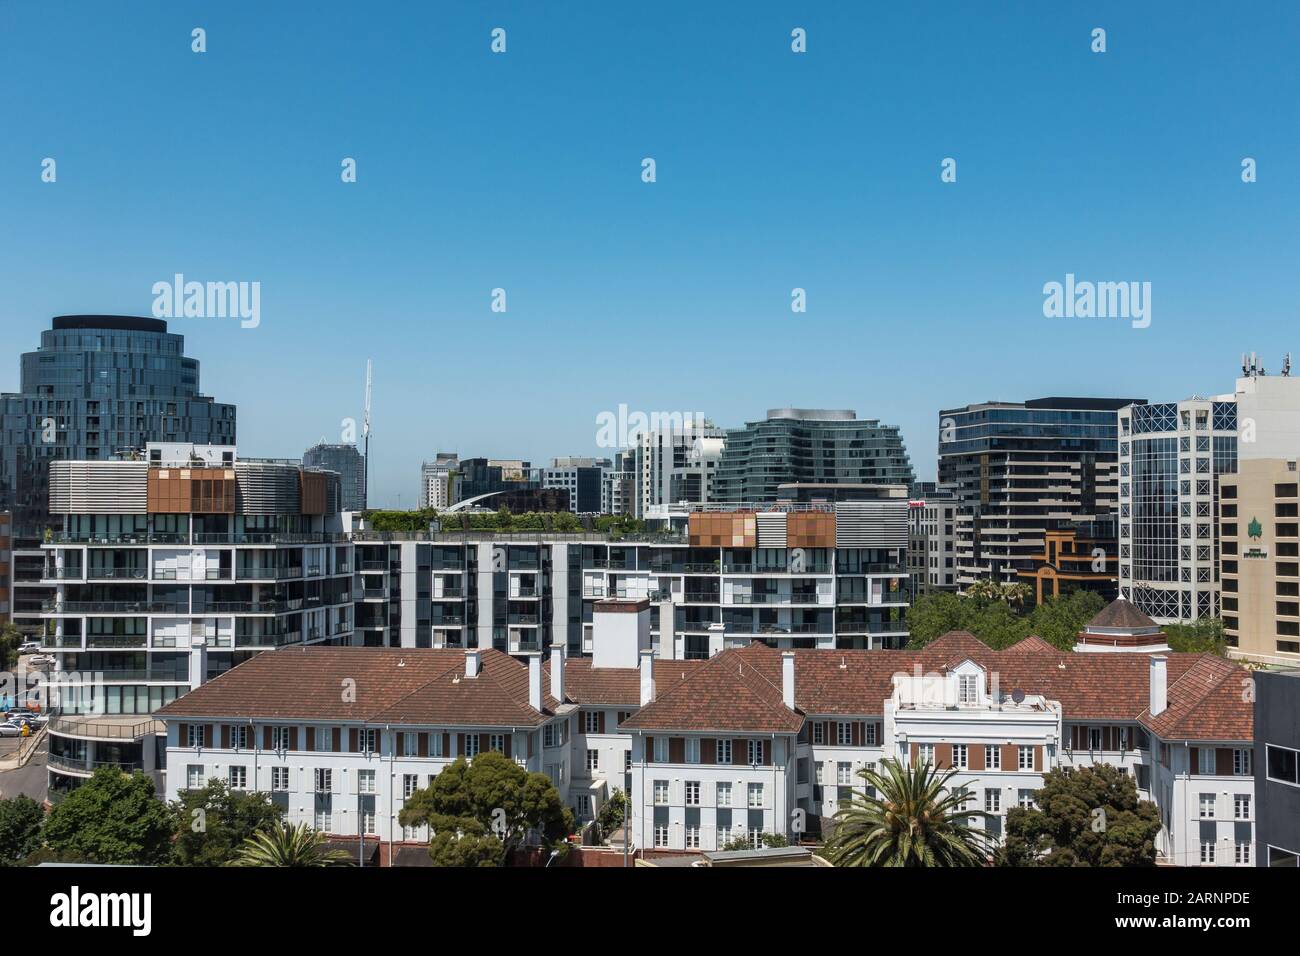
(215, 836)
(913, 820)
(20, 829)
(611, 815)
(10, 639)
(111, 818)
(1083, 817)
(764, 840)
(294, 844)
(461, 849)
(490, 797)
(1201, 636)
(1057, 620)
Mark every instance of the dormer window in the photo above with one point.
(968, 688)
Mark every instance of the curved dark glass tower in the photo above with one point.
(99, 386)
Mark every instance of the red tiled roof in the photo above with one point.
(618, 686)
(1209, 701)
(727, 692)
(390, 685)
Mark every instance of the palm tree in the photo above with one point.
(914, 820)
(292, 845)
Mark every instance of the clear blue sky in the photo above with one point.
(775, 170)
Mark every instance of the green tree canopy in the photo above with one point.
(1083, 817)
(213, 822)
(1200, 636)
(20, 829)
(488, 798)
(992, 620)
(111, 818)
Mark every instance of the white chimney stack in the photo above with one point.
(535, 681)
(557, 672)
(647, 677)
(472, 662)
(1159, 685)
(787, 678)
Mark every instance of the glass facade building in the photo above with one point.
(348, 463)
(1020, 470)
(1171, 455)
(805, 446)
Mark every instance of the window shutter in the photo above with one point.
(422, 745)
(708, 750)
(855, 734)
(510, 738)
(293, 738)
(943, 756)
(183, 730)
(460, 745)
(600, 722)
(337, 733)
(446, 745)
(740, 751)
(353, 744)
(676, 750)
(266, 738)
(207, 735)
(484, 742)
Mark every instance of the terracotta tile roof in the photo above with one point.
(855, 683)
(618, 686)
(392, 685)
(1121, 614)
(726, 693)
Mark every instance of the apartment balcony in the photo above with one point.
(84, 767)
(96, 642)
(113, 574)
(105, 726)
(872, 627)
(267, 574)
(113, 607)
(525, 620)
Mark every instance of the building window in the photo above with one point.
(755, 791)
(959, 756)
(324, 739)
(992, 800)
(591, 720)
(755, 752)
(1282, 764)
(410, 744)
(323, 819)
(324, 780)
(869, 738)
(1025, 799)
(194, 776)
(968, 688)
(435, 745)
(368, 739)
(692, 749)
(280, 779)
(238, 778)
(194, 735)
(844, 774)
(693, 837)
(1026, 758)
(1243, 762)
(925, 753)
(723, 795)
(1243, 853)
(584, 806)
(365, 781)
(279, 738)
(593, 759)
(992, 758)
(1207, 806)
(692, 793)
(368, 819)
(1207, 851)
(471, 745)
(239, 737)
(843, 733)
(1094, 738)
(1205, 760)
(497, 742)
(661, 793)
(661, 836)
(627, 761)
(1241, 806)
(548, 735)
(410, 784)
(724, 749)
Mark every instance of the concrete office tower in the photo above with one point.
(582, 478)
(1258, 507)
(1171, 457)
(437, 481)
(809, 446)
(98, 386)
(932, 538)
(170, 570)
(1021, 469)
(618, 486)
(676, 466)
(348, 463)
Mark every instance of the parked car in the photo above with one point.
(27, 717)
(10, 730)
(40, 660)
(29, 647)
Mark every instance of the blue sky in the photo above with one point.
(775, 171)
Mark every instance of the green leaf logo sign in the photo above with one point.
(1254, 529)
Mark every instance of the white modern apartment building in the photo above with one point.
(169, 570)
(676, 465)
(932, 544)
(436, 482)
(582, 478)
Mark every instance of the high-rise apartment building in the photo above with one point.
(437, 482)
(676, 466)
(348, 463)
(809, 446)
(1277, 768)
(168, 570)
(932, 538)
(618, 486)
(98, 386)
(582, 478)
(1020, 469)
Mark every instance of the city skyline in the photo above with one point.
(775, 171)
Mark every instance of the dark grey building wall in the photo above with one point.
(1277, 722)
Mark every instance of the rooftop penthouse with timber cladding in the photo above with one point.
(169, 568)
(752, 740)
